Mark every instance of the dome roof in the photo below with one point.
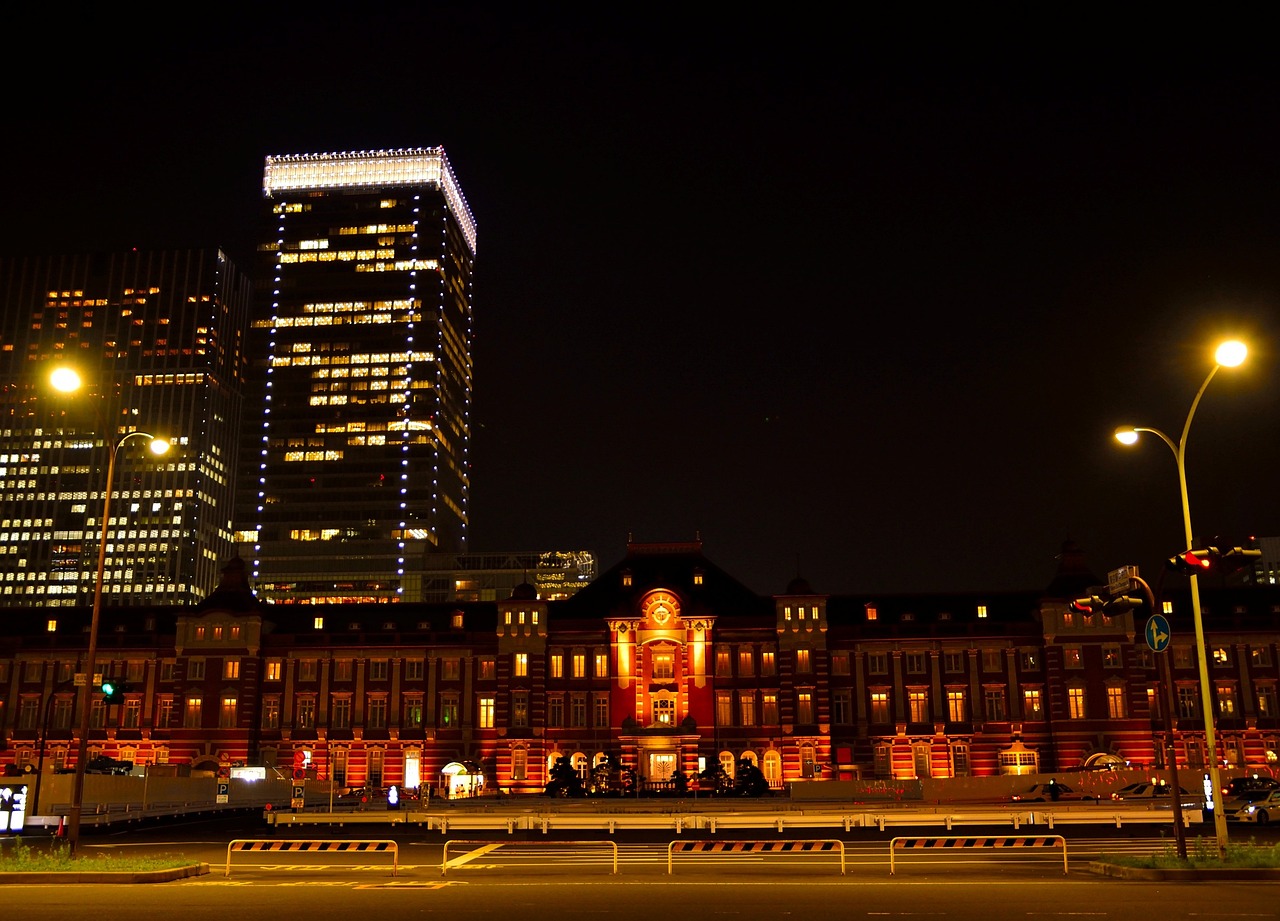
(524, 592)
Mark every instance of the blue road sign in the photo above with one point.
(1158, 633)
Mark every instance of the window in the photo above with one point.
(724, 708)
(1029, 660)
(802, 662)
(766, 662)
(600, 707)
(746, 662)
(29, 713)
(953, 662)
(579, 665)
(413, 711)
(341, 716)
(448, 711)
(1143, 657)
(275, 670)
(1032, 707)
(1267, 701)
(520, 665)
(722, 663)
(555, 711)
(485, 708)
(270, 712)
(1115, 703)
(1260, 656)
(488, 669)
(991, 660)
(956, 710)
(915, 663)
(1226, 701)
(1221, 655)
(557, 665)
(1188, 703)
(194, 712)
(165, 713)
(839, 663)
(769, 709)
(227, 713)
(306, 713)
(919, 704)
(578, 711)
(841, 707)
(1075, 703)
(1071, 657)
(1111, 656)
(993, 701)
(231, 669)
(307, 669)
(1182, 656)
(520, 710)
(664, 666)
(602, 665)
(195, 669)
(450, 669)
(413, 669)
(664, 711)
(879, 706)
(804, 707)
(519, 764)
(342, 669)
(877, 663)
(378, 669)
(747, 708)
(960, 759)
(377, 718)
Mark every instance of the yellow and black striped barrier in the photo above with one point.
(755, 847)
(336, 846)
(980, 841)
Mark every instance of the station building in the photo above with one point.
(664, 663)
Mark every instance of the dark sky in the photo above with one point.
(839, 297)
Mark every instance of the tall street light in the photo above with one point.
(67, 380)
(1228, 355)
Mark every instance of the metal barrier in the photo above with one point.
(444, 856)
(825, 845)
(979, 842)
(270, 844)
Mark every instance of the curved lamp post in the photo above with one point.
(67, 380)
(1228, 355)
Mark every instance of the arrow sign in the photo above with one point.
(1158, 633)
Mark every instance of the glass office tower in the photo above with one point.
(361, 357)
(157, 339)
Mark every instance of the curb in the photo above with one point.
(36, 877)
(1179, 874)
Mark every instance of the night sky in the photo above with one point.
(842, 299)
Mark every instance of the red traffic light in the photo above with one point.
(1192, 562)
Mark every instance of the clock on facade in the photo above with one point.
(660, 607)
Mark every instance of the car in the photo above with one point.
(1146, 791)
(1052, 792)
(1238, 785)
(1231, 804)
(1261, 811)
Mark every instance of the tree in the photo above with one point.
(715, 779)
(750, 780)
(564, 780)
(607, 777)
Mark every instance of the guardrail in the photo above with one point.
(754, 847)
(444, 856)
(272, 844)
(897, 844)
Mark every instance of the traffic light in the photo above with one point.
(1093, 604)
(113, 691)
(1193, 562)
(1234, 559)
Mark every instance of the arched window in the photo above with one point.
(749, 755)
(551, 761)
(773, 767)
(808, 763)
(729, 763)
(580, 765)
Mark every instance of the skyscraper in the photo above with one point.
(361, 358)
(158, 340)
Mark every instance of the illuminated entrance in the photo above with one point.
(661, 765)
(462, 779)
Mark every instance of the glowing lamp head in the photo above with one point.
(65, 379)
(159, 446)
(1231, 353)
(1127, 435)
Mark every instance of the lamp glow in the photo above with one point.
(1231, 353)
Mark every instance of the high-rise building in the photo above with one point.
(357, 464)
(157, 339)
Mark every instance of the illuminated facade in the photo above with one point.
(664, 663)
(554, 574)
(356, 465)
(158, 338)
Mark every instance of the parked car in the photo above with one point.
(1231, 804)
(1238, 785)
(1052, 792)
(1262, 810)
(1146, 791)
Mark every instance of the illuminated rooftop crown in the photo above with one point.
(371, 169)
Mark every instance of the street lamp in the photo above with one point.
(67, 380)
(1228, 355)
